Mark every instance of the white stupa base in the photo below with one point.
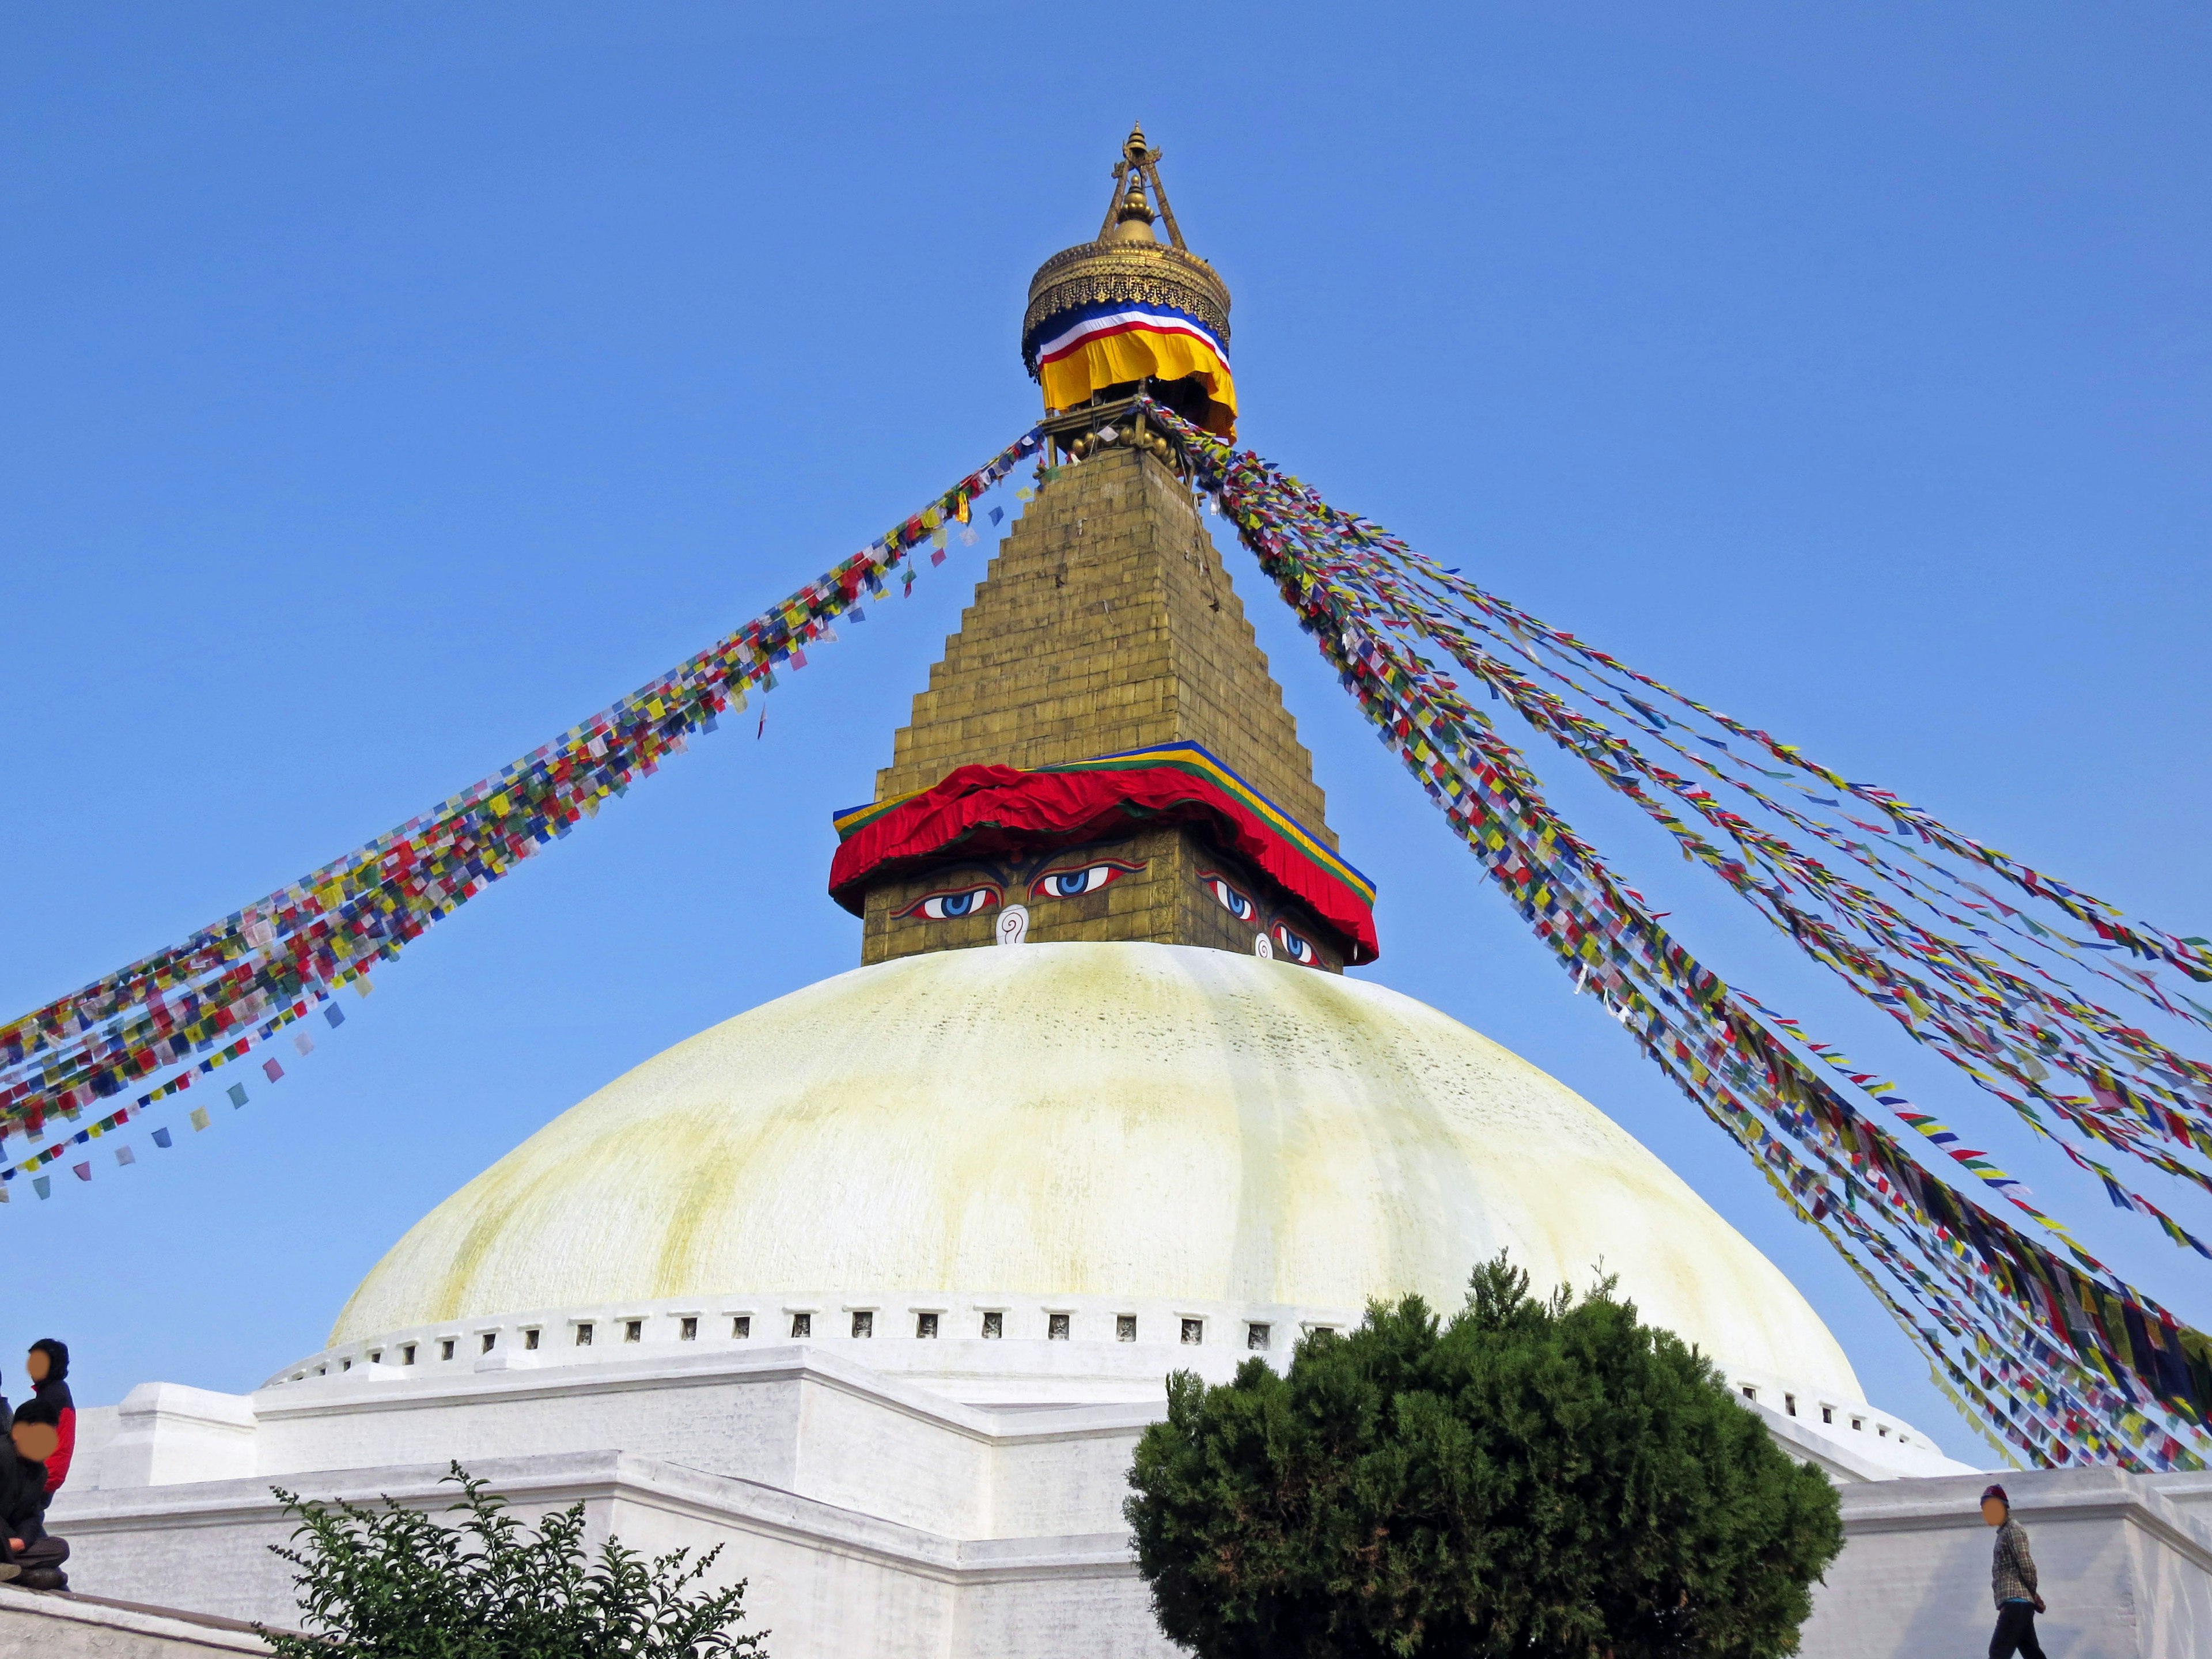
(2125, 1561)
(1042, 1352)
(875, 1513)
(2126, 1564)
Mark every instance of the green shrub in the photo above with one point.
(398, 1584)
(1541, 1480)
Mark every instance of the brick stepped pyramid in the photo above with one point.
(1106, 622)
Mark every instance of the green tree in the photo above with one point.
(398, 1584)
(1543, 1479)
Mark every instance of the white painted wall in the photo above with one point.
(2125, 1568)
(1023, 1367)
(61, 1627)
(877, 1519)
(164, 1433)
(832, 1582)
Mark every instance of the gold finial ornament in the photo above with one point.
(1133, 220)
(1129, 309)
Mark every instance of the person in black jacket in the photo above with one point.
(29, 1555)
(47, 1365)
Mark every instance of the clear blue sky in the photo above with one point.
(388, 387)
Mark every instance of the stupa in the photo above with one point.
(879, 1283)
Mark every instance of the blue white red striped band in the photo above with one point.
(1073, 329)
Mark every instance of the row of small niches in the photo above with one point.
(1828, 1414)
(1059, 1328)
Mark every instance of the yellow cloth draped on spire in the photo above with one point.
(1113, 344)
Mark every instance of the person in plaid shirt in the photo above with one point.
(2012, 1580)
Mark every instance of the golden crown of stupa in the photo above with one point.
(1128, 262)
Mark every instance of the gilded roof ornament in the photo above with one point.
(1127, 307)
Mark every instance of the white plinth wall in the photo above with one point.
(878, 1516)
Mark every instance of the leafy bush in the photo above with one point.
(397, 1584)
(1534, 1479)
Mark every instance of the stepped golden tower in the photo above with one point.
(1107, 626)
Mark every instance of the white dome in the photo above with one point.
(1089, 1121)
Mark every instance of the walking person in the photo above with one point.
(2012, 1580)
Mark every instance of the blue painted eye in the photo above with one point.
(949, 907)
(1067, 884)
(1231, 900)
(1295, 947)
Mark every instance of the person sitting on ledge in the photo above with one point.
(27, 1555)
(47, 1366)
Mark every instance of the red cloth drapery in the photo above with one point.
(996, 809)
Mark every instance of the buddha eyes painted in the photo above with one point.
(1072, 884)
(1274, 938)
(949, 907)
(1231, 900)
(1005, 889)
(996, 887)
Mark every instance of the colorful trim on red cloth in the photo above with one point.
(991, 809)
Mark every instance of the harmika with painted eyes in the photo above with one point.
(984, 886)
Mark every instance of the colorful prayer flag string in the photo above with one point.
(2054, 1357)
(216, 996)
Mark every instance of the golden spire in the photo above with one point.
(1128, 266)
(1107, 624)
(1106, 639)
(1139, 167)
(1132, 219)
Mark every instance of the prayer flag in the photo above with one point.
(81, 1171)
(273, 1069)
(238, 1094)
(199, 1118)
(335, 1014)
(45, 1185)
(162, 1137)
(303, 1042)
(124, 1155)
